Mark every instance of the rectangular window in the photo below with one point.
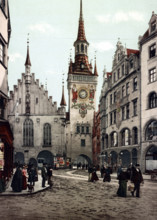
(152, 51)
(114, 77)
(135, 107)
(153, 26)
(127, 88)
(87, 130)
(1, 52)
(152, 75)
(127, 111)
(36, 100)
(135, 84)
(118, 73)
(78, 129)
(111, 99)
(123, 70)
(83, 143)
(19, 100)
(123, 91)
(115, 95)
(123, 113)
(114, 117)
(82, 129)
(131, 64)
(110, 118)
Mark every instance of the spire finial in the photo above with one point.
(28, 40)
(81, 14)
(63, 102)
(28, 62)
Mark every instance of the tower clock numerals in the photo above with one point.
(83, 94)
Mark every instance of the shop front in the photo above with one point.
(6, 153)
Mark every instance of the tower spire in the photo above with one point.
(28, 62)
(95, 68)
(81, 31)
(63, 102)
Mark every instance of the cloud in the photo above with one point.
(42, 27)
(121, 16)
(102, 46)
(14, 56)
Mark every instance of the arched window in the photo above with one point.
(47, 135)
(28, 133)
(82, 48)
(151, 131)
(125, 137)
(106, 141)
(114, 138)
(135, 135)
(77, 48)
(86, 49)
(153, 100)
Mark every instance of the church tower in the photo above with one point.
(81, 84)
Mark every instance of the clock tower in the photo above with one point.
(82, 84)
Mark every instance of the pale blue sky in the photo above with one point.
(53, 27)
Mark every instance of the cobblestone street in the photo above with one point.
(73, 198)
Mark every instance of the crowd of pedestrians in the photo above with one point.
(25, 176)
(130, 176)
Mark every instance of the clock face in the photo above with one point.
(83, 94)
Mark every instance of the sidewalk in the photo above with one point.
(37, 188)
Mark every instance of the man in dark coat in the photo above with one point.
(137, 179)
(44, 174)
(17, 180)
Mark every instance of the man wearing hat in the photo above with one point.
(137, 179)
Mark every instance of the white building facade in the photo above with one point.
(148, 45)
(120, 109)
(37, 123)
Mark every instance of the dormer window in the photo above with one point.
(153, 26)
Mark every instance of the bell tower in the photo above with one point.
(82, 83)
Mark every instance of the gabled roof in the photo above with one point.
(131, 51)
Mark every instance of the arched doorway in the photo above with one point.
(45, 157)
(125, 158)
(82, 161)
(113, 156)
(151, 158)
(33, 161)
(134, 156)
(19, 158)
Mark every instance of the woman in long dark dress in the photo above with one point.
(123, 179)
(17, 180)
(94, 175)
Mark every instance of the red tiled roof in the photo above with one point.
(131, 51)
(109, 74)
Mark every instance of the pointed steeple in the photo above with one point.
(81, 31)
(95, 68)
(81, 64)
(28, 62)
(63, 102)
